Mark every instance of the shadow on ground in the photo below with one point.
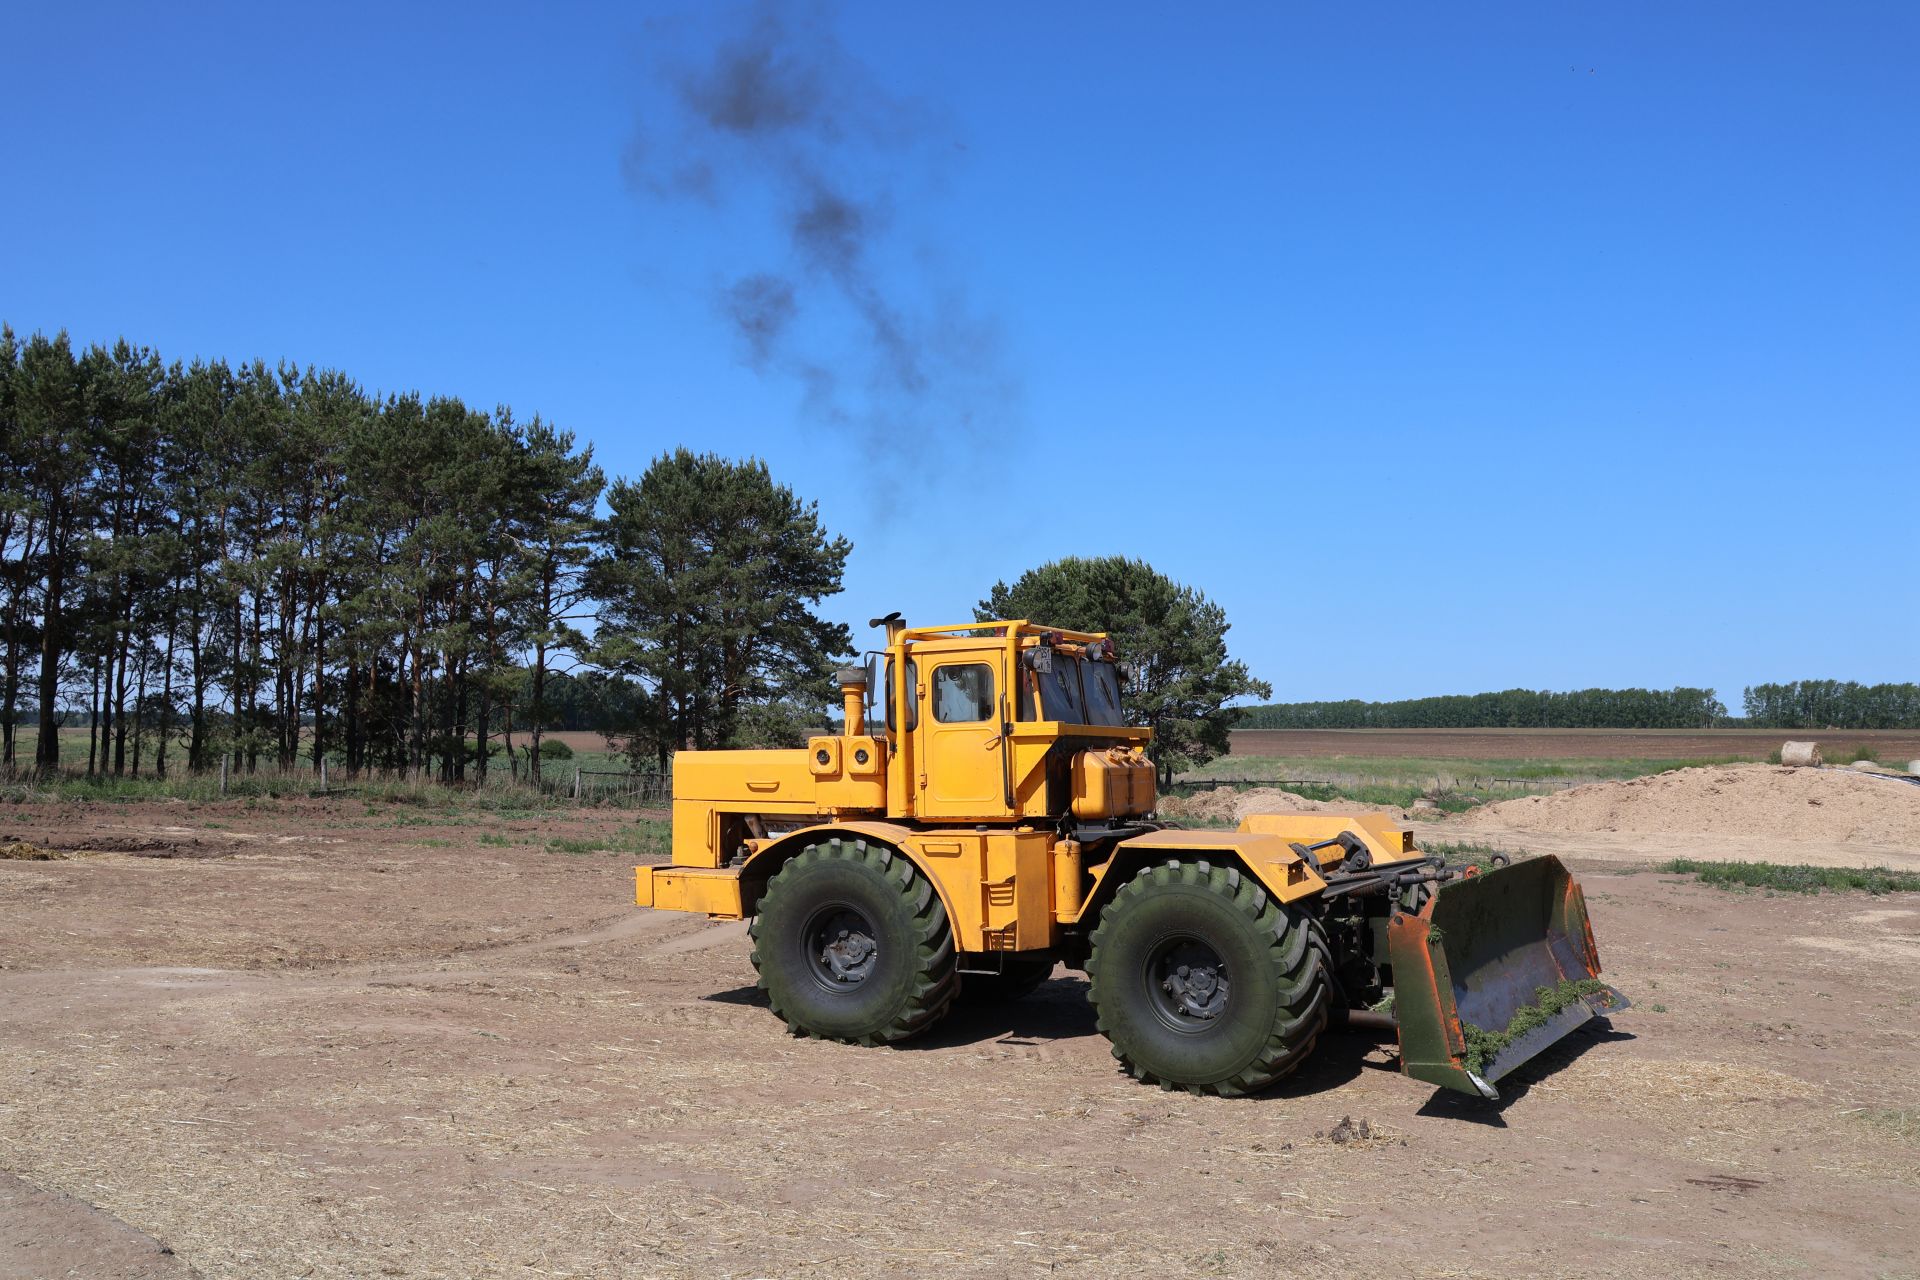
(1058, 1010)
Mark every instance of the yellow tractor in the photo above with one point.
(986, 813)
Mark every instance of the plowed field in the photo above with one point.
(1891, 745)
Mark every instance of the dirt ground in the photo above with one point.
(1892, 746)
(303, 1041)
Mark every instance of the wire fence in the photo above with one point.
(622, 785)
(639, 788)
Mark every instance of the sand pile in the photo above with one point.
(1228, 805)
(1759, 800)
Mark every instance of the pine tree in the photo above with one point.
(56, 468)
(556, 523)
(707, 581)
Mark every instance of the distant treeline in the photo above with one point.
(1833, 704)
(208, 561)
(1508, 709)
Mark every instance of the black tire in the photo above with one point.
(853, 944)
(1202, 982)
(1018, 979)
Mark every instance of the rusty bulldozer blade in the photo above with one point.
(1493, 970)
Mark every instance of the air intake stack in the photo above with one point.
(853, 695)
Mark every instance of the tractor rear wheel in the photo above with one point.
(1202, 982)
(853, 944)
(1017, 979)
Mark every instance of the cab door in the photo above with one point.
(963, 757)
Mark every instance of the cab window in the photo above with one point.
(1060, 690)
(963, 693)
(907, 695)
(1103, 694)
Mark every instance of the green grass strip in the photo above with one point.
(1795, 879)
(1483, 1045)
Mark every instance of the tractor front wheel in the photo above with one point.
(853, 944)
(1203, 982)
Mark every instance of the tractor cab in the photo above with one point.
(998, 722)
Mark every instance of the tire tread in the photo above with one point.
(937, 980)
(1299, 956)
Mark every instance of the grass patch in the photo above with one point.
(1453, 784)
(1847, 755)
(645, 838)
(1901, 1122)
(1425, 771)
(1468, 851)
(1483, 1045)
(458, 803)
(649, 837)
(496, 840)
(1795, 879)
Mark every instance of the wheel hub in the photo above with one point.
(1188, 980)
(841, 947)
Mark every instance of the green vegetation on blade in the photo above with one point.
(1795, 879)
(1483, 1045)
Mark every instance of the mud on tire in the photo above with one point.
(1202, 982)
(852, 944)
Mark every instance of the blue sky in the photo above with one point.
(1449, 347)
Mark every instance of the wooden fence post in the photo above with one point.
(223, 775)
(576, 782)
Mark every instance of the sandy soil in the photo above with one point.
(1230, 804)
(316, 1044)
(1743, 812)
(1893, 746)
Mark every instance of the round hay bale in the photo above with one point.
(1424, 805)
(1800, 753)
(1913, 767)
(1870, 766)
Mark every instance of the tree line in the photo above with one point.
(1679, 708)
(1833, 704)
(204, 561)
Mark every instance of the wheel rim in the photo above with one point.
(1186, 983)
(839, 947)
